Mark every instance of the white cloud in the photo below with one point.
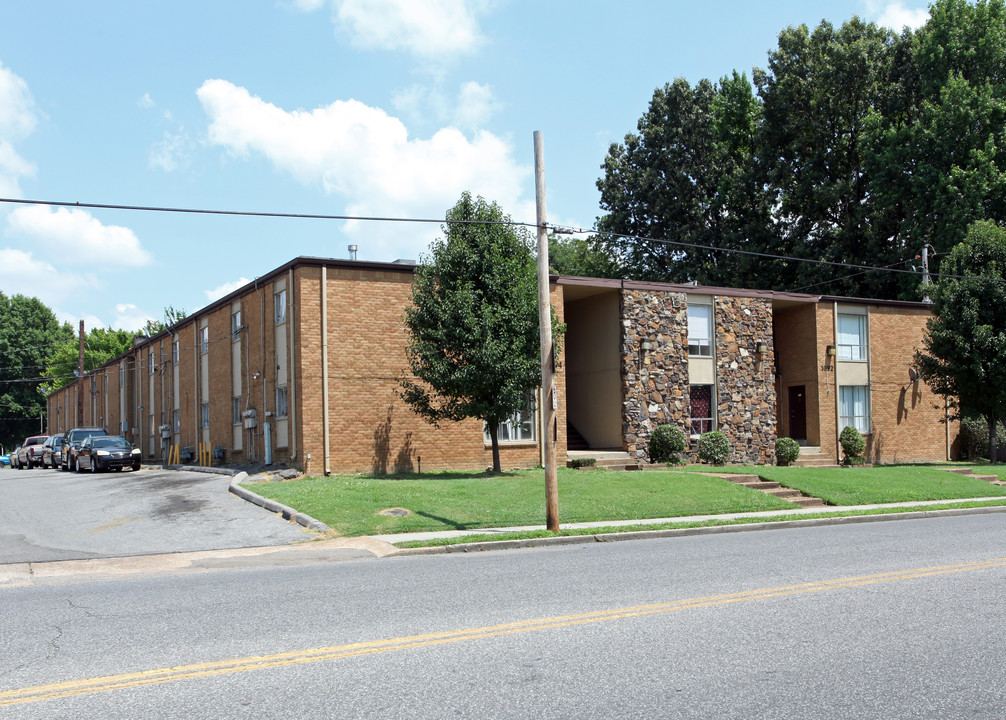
(130, 317)
(366, 156)
(171, 152)
(306, 5)
(27, 275)
(427, 28)
(18, 118)
(896, 16)
(146, 101)
(476, 104)
(74, 236)
(226, 289)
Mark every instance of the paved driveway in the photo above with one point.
(51, 515)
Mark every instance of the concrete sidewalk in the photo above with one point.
(795, 514)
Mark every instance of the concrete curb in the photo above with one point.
(288, 513)
(684, 532)
(199, 469)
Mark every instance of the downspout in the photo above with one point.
(869, 382)
(838, 409)
(266, 428)
(197, 409)
(291, 374)
(324, 366)
(946, 422)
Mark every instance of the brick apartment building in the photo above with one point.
(242, 379)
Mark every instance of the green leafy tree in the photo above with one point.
(100, 346)
(473, 321)
(964, 349)
(581, 257)
(171, 317)
(28, 332)
(685, 177)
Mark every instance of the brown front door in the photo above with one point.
(798, 412)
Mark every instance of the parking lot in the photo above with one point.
(51, 515)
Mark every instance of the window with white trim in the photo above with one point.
(204, 414)
(854, 407)
(204, 340)
(236, 410)
(851, 337)
(703, 408)
(236, 325)
(282, 404)
(519, 427)
(150, 361)
(177, 420)
(280, 306)
(700, 330)
(175, 352)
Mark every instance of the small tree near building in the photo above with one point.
(473, 321)
(964, 356)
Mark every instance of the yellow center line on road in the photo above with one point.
(261, 662)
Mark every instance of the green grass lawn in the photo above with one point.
(457, 501)
(884, 484)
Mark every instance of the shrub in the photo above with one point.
(581, 462)
(714, 447)
(975, 438)
(853, 445)
(787, 450)
(665, 444)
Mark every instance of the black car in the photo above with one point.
(107, 452)
(72, 439)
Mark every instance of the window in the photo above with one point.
(150, 362)
(122, 376)
(701, 399)
(204, 414)
(282, 408)
(520, 427)
(174, 352)
(854, 407)
(151, 433)
(700, 330)
(851, 337)
(177, 419)
(236, 325)
(236, 409)
(280, 300)
(204, 340)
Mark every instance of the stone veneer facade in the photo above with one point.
(655, 382)
(745, 378)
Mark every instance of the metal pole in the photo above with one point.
(925, 273)
(549, 400)
(80, 377)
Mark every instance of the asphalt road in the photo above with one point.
(52, 515)
(882, 620)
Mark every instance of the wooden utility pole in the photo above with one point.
(80, 377)
(548, 396)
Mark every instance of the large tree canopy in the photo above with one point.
(858, 146)
(28, 333)
(473, 321)
(964, 357)
(100, 346)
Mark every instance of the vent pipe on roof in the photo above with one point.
(352, 252)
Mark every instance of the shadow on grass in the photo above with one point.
(444, 475)
(451, 523)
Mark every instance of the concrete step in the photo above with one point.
(808, 501)
(762, 485)
(785, 493)
(961, 471)
(994, 479)
(741, 479)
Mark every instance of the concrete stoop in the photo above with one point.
(607, 459)
(770, 487)
(813, 457)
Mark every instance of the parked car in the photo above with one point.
(13, 457)
(51, 451)
(72, 439)
(107, 452)
(4, 460)
(30, 453)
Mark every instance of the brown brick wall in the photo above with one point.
(906, 416)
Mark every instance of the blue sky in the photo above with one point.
(342, 107)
